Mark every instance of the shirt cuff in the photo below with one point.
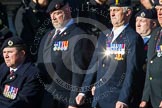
(81, 94)
(123, 103)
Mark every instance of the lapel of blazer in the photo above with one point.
(47, 41)
(152, 44)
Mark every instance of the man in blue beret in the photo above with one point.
(153, 81)
(19, 78)
(118, 61)
(63, 57)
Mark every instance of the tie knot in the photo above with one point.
(57, 32)
(11, 72)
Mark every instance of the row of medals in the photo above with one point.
(117, 49)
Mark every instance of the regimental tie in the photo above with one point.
(57, 32)
(11, 72)
(11, 75)
(108, 41)
(110, 37)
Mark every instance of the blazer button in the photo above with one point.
(151, 61)
(150, 78)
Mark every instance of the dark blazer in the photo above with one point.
(26, 80)
(115, 79)
(64, 70)
(153, 83)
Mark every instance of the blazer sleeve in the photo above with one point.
(83, 52)
(134, 62)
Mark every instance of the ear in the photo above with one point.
(23, 53)
(154, 24)
(128, 12)
(67, 9)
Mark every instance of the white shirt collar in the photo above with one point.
(118, 31)
(146, 36)
(15, 69)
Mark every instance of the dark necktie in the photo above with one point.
(57, 32)
(110, 37)
(11, 72)
(11, 75)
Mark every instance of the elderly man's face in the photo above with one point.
(159, 14)
(117, 16)
(58, 18)
(143, 26)
(12, 56)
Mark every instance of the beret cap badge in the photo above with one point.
(143, 14)
(57, 6)
(10, 43)
(116, 2)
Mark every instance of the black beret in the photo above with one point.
(120, 3)
(13, 42)
(147, 13)
(158, 2)
(56, 5)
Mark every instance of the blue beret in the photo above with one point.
(120, 3)
(13, 42)
(56, 5)
(147, 13)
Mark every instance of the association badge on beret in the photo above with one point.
(10, 43)
(143, 14)
(116, 2)
(57, 6)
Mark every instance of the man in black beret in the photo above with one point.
(119, 60)
(63, 57)
(153, 81)
(146, 22)
(19, 78)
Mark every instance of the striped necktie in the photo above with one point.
(11, 72)
(110, 37)
(57, 32)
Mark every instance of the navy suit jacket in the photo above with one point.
(115, 79)
(64, 70)
(26, 79)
